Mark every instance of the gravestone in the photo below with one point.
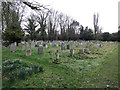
(46, 46)
(40, 49)
(3, 47)
(23, 47)
(90, 48)
(86, 51)
(68, 46)
(76, 44)
(72, 52)
(72, 45)
(15, 43)
(81, 51)
(12, 47)
(32, 45)
(27, 44)
(53, 45)
(62, 47)
(79, 44)
(28, 52)
(57, 45)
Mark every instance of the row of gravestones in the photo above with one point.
(22, 46)
(40, 49)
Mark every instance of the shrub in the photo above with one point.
(12, 78)
(41, 69)
(29, 71)
(22, 74)
(35, 68)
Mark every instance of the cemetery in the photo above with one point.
(41, 47)
(73, 67)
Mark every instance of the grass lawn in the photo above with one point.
(98, 70)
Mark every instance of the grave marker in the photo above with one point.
(40, 49)
(28, 52)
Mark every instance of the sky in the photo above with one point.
(83, 10)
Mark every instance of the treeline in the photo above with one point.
(46, 24)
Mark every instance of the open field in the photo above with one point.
(98, 70)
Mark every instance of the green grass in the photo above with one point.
(80, 71)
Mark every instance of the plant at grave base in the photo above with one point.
(12, 78)
(22, 74)
(41, 69)
(56, 62)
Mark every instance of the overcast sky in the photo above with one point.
(83, 10)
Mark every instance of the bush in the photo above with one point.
(41, 69)
(35, 68)
(29, 71)
(19, 69)
(12, 78)
(22, 74)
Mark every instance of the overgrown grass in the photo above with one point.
(96, 70)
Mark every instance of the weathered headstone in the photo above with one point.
(28, 52)
(40, 49)
(23, 47)
(72, 45)
(12, 47)
(46, 46)
(27, 44)
(57, 45)
(32, 45)
(86, 51)
(81, 51)
(15, 43)
(3, 47)
(53, 45)
(62, 47)
(76, 44)
(90, 48)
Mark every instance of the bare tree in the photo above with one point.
(42, 23)
(52, 25)
(62, 20)
(95, 22)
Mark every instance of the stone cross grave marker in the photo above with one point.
(57, 55)
(81, 51)
(71, 52)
